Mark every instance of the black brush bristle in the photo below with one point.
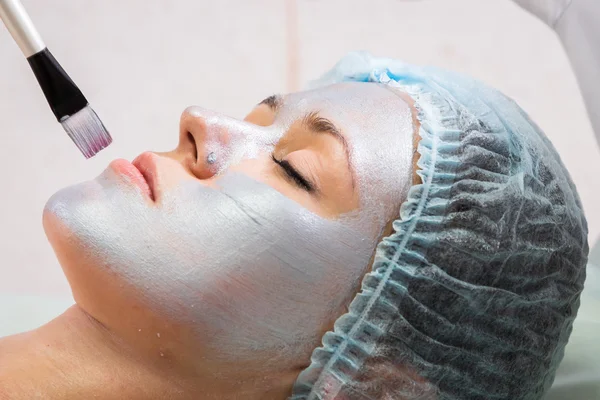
(69, 105)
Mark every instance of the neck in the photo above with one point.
(74, 356)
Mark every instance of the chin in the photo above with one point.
(64, 207)
(71, 217)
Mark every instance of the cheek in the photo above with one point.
(63, 241)
(95, 288)
(243, 266)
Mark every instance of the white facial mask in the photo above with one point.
(374, 119)
(378, 126)
(246, 266)
(250, 268)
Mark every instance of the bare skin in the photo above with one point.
(74, 356)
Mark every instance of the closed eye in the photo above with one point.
(293, 174)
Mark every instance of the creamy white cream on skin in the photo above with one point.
(247, 266)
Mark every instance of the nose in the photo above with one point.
(209, 142)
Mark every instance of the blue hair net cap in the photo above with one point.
(474, 294)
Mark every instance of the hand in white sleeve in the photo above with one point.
(548, 11)
(577, 23)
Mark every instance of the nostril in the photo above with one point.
(193, 141)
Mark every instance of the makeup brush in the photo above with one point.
(67, 102)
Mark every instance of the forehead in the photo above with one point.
(354, 92)
(354, 103)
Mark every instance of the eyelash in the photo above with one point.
(293, 174)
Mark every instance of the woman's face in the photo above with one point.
(251, 235)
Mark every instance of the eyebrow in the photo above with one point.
(317, 124)
(273, 102)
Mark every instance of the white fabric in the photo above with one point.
(548, 11)
(577, 23)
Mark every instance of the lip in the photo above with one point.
(137, 172)
(146, 164)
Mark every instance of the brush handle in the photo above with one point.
(21, 27)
